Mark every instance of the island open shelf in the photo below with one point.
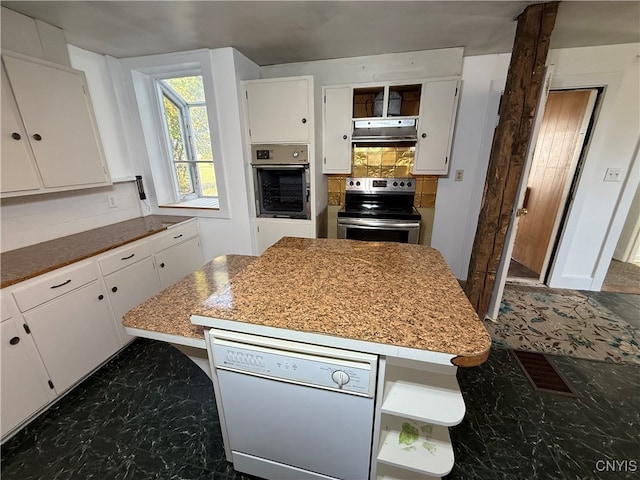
(423, 395)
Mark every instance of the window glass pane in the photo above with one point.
(183, 174)
(207, 176)
(201, 136)
(189, 88)
(174, 126)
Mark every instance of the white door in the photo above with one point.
(23, 390)
(278, 110)
(59, 122)
(178, 261)
(501, 274)
(336, 135)
(74, 334)
(130, 287)
(19, 172)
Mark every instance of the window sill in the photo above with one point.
(201, 203)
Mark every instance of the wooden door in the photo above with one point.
(557, 151)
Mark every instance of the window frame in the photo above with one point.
(144, 75)
(188, 137)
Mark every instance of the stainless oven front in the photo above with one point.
(281, 180)
(379, 230)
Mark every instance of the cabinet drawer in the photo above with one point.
(53, 285)
(174, 236)
(123, 257)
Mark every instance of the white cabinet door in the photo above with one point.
(336, 135)
(270, 230)
(59, 122)
(130, 286)
(177, 261)
(19, 172)
(279, 110)
(74, 334)
(24, 388)
(435, 127)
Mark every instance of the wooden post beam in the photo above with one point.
(511, 139)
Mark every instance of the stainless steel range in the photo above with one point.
(379, 209)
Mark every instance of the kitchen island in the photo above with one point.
(396, 303)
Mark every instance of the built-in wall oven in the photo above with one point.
(281, 180)
(379, 209)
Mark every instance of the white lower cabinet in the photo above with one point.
(74, 334)
(179, 260)
(417, 407)
(24, 378)
(270, 230)
(72, 317)
(128, 287)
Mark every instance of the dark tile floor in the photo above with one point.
(150, 414)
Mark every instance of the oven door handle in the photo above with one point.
(280, 167)
(368, 223)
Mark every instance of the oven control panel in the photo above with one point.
(381, 185)
(329, 373)
(279, 154)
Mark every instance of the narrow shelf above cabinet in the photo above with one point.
(415, 446)
(423, 395)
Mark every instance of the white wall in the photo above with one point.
(458, 203)
(600, 208)
(628, 246)
(38, 218)
(233, 234)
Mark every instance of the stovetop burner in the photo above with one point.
(380, 198)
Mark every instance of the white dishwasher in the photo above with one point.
(293, 411)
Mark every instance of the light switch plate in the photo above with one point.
(458, 176)
(613, 175)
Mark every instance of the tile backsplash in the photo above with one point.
(385, 162)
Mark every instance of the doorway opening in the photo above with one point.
(560, 149)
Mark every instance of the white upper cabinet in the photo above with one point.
(279, 110)
(336, 141)
(438, 108)
(59, 124)
(19, 173)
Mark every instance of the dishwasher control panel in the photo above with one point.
(340, 374)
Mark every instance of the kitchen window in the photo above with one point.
(188, 139)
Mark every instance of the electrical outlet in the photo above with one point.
(111, 201)
(613, 175)
(458, 175)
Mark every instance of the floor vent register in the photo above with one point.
(542, 375)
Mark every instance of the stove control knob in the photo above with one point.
(395, 184)
(408, 184)
(340, 377)
(296, 154)
(351, 183)
(357, 184)
(402, 184)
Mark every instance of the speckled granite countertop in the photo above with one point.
(387, 293)
(169, 311)
(28, 262)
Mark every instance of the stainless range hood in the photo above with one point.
(385, 130)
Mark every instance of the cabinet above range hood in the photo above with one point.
(385, 130)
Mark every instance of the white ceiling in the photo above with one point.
(271, 32)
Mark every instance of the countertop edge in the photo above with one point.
(390, 350)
